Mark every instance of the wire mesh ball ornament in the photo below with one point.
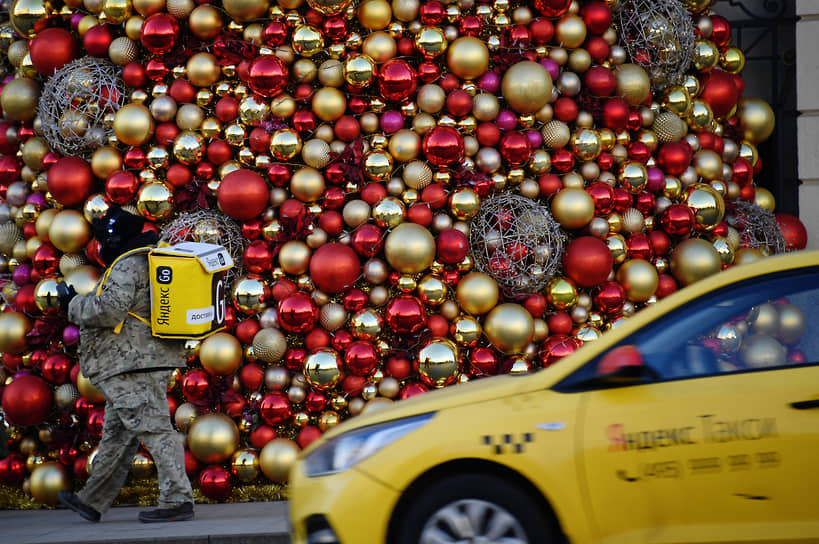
(516, 241)
(757, 227)
(659, 36)
(209, 227)
(78, 104)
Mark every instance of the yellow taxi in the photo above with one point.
(696, 420)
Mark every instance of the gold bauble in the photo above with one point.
(83, 278)
(374, 14)
(379, 46)
(148, 7)
(792, 323)
(180, 9)
(220, 354)
(95, 206)
(244, 464)
(464, 203)
(573, 208)
(117, 11)
(189, 117)
(28, 17)
(185, 415)
(269, 345)
(142, 466)
(133, 124)
(123, 50)
(468, 57)
(417, 175)
(329, 104)
(410, 248)
(308, 41)
(19, 98)
(294, 257)
(14, 326)
(377, 165)
(527, 87)
(389, 212)
(33, 152)
(45, 295)
(249, 294)
(700, 116)
(633, 83)
(438, 362)
(747, 255)
(586, 144)
(203, 70)
(762, 351)
(359, 71)
(677, 99)
(705, 55)
(245, 11)
(307, 184)
(633, 176)
(88, 391)
(366, 324)
(213, 438)
(285, 144)
(205, 22)
(405, 145)
(43, 223)
(708, 164)
(329, 7)
(561, 293)
(155, 201)
(432, 290)
(277, 458)
(694, 259)
(570, 31)
(189, 147)
(639, 278)
(477, 293)
(764, 319)
(556, 134)
(466, 330)
(323, 368)
(725, 250)
(69, 231)
(764, 199)
(707, 205)
(105, 161)
(47, 480)
(732, 60)
(668, 127)
(509, 328)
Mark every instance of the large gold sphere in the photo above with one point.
(323, 368)
(468, 57)
(294, 257)
(14, 326)
(155, 201)
(148, 7)
(694, 259)
(762, 351)
(527, 87)
(69, 231)
(756, 119)
(410, 248)
(269, 345)
(477, 293)
(374, 14)
(203, 70)
(244, 464)
(19, 99)
(307, 184)
(792, 323)
(133, 124)
(707, 204)
(570, 31)
(573, 207)
(708, 164)
(329, 104)
(33, 152)
(509, 327)
(88, 391)
(633, 83)
(639, 278)
(220, 354)
(83, 278)
(329, 7)
(205, 22)
(277, 458)
(47, 480)
(245, 11)
(43, 223)
(439, 362)
(213, 438)
(28, 17)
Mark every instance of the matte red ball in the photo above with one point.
(261, 435)
(166, 133)
(420, 214)
(316, 339)
(660, 241)
(405, 314)
(597, 16)
(452, 246)
(560, 323)
(219, 152)
(227, 109)
(12, 469)
(565, 109)
(159, 33)
(437, 325)
(275, 408)
(178, 175)
(373, 193)
(360, 358)
(541, 31)
(214, 483)
(397, 80)
(70, 181)
(307, 435)
(535, 304)
(97, 40)
(666, 284)
(443, 146)
(488, 134)
(398, 367)
(242, 194)
(192, 465)
(588, 261)
(334, 267)
(27, 400)
(794, 231)
(51, 49)
(615, 113)
(720, 92)
(609, 298)
(246, 330)
(182, 91)
(297, 312)
(267, 75)
(674, 157)
(598, 48)
(347, 128)
(459, 103)
(600, 81)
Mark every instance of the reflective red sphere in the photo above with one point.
(159, 33)
(267, 75)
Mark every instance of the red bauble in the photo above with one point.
(660, 241)
(57, 368)
(438, 325)
(267, 75)
(347, 128)
(587, 261)
(600, 81)
(97, 40)
(488, 134)
(27, 400)
(597, 16)
(360, 358)
(242, 194)
(720, 30)
(192, 465)
(720, 92)
(261, 435)
(666, 284)
(412, 390)
(483, 362)
(398, 367)
(251, 376)
(443, 146)
(556, 347)
(451, 246)
(397, 80)
(258, 257)
(552, 8)
(677, 220)
(565, 109)
(307, 435)
(794, 231)
(674, 157)
(298, 312)
(603, 196)
(46, 260)
(639, 247)
(196, 385)
(372, 193)
(615, 113)
(214, 483)
(420, 214)
(51, 49)
(316, 339)
(459, 103)
(159, 33)
(610, 297)
(515, 148)
(405, 314)
(541, 30)
(334, 267)
(560, 323)
(70, 181)
(743, 172)
(12, 469)
(619, 357)
(598, 48)
(121, 186)
(275, 408)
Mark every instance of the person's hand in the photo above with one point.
(65, 293)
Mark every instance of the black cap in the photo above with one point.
(115, 230)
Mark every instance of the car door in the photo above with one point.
(720, 446)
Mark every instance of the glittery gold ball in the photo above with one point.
(269, 345)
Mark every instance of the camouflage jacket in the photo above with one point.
(105, 353)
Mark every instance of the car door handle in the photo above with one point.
(805, 404)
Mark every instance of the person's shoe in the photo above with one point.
(182, 512)
(70, 500)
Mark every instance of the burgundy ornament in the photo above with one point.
(27, 400)
(451, 246)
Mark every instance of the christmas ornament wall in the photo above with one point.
(418, 194)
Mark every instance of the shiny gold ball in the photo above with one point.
(359, 71)
(707, 205)
(155, 201)
(213, 438)
(285, 144)
(762, 351)
(700, 116)
(732, 60)
(374, 14)
(570, 31)
(377, 165)
(432, 290)
(28, 17)
(573, 208)
(14, 326)
(205, 22)
(277, 458)
(561, 293)
(69, 231)
(405, 145)
(142, 466)
(133, 124)
(586, 144)
(633, 83)
(792, 323)
(639, 278)
(88, 391)
(477, 293)
(244, 11)
(308, 41)
(189, 147)
(269, 345)
(633, 176)
(220, 354)
(329, 104)
(464, 203)
(527, 87)
(33, 152)
(19, 98)
(764, 199)
(438, 362)
(294, 257)
(708, 164)
(705, 55)
(307, 184)
(244, 464)
(323, 368)
(677, 100)
(47, 480)
(45, 295)
(509, 328)
(186, 413)
(468, 57)
(83, 278)
(747, 255)
(466, 330)
(329, 7)
(148, 7)
(249, 294)
(410, 248)
(117, 11)
(203, 69)
(694, 259)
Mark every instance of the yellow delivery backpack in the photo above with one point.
(188, 298)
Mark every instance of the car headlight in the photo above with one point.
(347, 449)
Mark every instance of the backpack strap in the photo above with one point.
(138, 251)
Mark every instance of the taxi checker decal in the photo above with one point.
(507, 443)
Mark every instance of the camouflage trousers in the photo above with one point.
(136, 410)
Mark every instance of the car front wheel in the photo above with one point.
(474, 509)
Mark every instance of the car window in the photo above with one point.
(756, 325)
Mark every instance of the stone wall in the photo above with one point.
(807, 100)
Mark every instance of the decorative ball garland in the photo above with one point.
(416, 194)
